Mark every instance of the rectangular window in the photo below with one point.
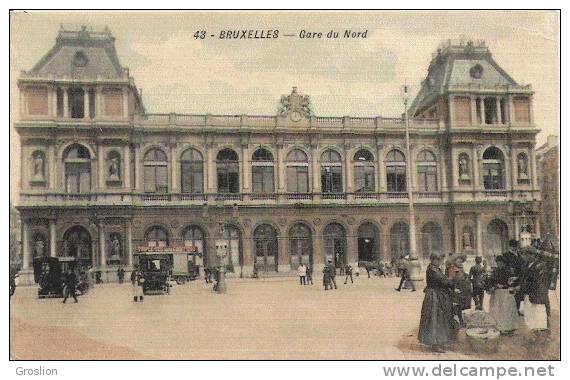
(192, 178)
(331, 179)
(77, 103)
(155, 179)
(77, 178)
(91, 94)
(297, 179)
(263, 179)
(228, 178)
(59, 100)
(427, 179)
(364, 178)
(493, 177)
(396, 179)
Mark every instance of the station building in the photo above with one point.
(101, 176)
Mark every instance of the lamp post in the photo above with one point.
(221, 253)
(412, 215)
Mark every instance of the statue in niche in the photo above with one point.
(115, 249)
(467, 240)
(522, 165)
(38, 167)
(463, 167)
(114, 168)
(39, 248)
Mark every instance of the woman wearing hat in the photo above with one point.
(502, 303)
(437, 325)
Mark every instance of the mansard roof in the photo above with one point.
(81, 53)
(460, 64)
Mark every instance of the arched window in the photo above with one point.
(396, 171)
(331, 172)
(192, 171)
(113, 166)
(77, 161)
(300, 245)
(493, 169)
(262, 171)
(39, 245)
(228, 171)
(497, 238)
(364, 172)
(335, 244)
(38, 168)
(77, 243)
(155, 171)
(156, 236)
(229, 244)
(522, 168)
(266, 248)
(193, 237)
(432, 239)
(297, 172)
(369, 244)
(427, 172)
(399, 240)
(464, 168)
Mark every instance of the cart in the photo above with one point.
(156, 269)
(49, 274)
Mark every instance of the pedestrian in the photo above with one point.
(13, 275)
(461, 299)
(326, 281)
(309, 274)
(502, 304)
(534, 288)
(137, 282)
(332, 274)
(516, 265)
(477, 278)
(70, 285)
(302, 271)
(121, 275)
(348, 274)
(255, 271)
(437, 324)
(405, 274)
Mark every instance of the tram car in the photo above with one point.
(184, 267)
(156, 269)
(49, 274)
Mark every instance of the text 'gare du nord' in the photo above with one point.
(100, 176)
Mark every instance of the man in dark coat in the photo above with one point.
(70, 283)
(405, 274)
(437, 324)
(332, 274)
(535, 280)
(516, 263)
(477, 278)
(348, 273)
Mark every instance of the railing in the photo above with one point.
(429, 194)
(229, 197)
(192, 197)
(496, 193)
(156, 197)
(397, 195)
(333, 196)
(263, 196)
(365, 195)
(300, 196)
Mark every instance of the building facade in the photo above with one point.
(101, 176)
(548, 158)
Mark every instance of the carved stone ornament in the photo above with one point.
(282, 222)
(175, 223)
(295, 106)
(316, 221)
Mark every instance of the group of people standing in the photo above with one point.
(518, 286)
(305, 273)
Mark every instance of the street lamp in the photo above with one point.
(221, 253)
(412, 215)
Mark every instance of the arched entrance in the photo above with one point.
(432, 239)
(368, 242)
(399, 240)
(335, 244)
(77, 243)
(497, 239)
(266, 248)
(300, 245)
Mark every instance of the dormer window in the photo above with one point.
(476, 71)
(80, 59)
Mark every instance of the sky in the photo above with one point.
(356, 77)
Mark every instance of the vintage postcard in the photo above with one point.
(298, 185)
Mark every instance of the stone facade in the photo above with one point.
(548, 157)
(100, 176)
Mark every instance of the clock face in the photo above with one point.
(296, 116)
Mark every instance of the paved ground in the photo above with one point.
(256, 319)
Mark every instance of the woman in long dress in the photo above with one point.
(502, 304)
(437, 325)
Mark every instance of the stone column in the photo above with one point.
(174, 180)
(483, 121)
(318, 255)
(52, 238)
(86, 103)
(454, 167)
(127, 166)
(281, 187)
(98, 102)
(533, 172)
(511, 107)
(475, 168)
(479, 238)
(452, 111)
(102, 248)
(349, 186)
(245, 169)
(517, 228)
(138, 169)
(52, 166)
(456, 233)
(283, 259)
(514, 169)
(125, 103)
(129, 242)
(100, 166)
(26, 254)
(442, 169)
(498, 105)
(66, 102)
(380, 172)
(473, 110)
(316, 170)
(52, 101)
(211, 172)
(352, 247)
